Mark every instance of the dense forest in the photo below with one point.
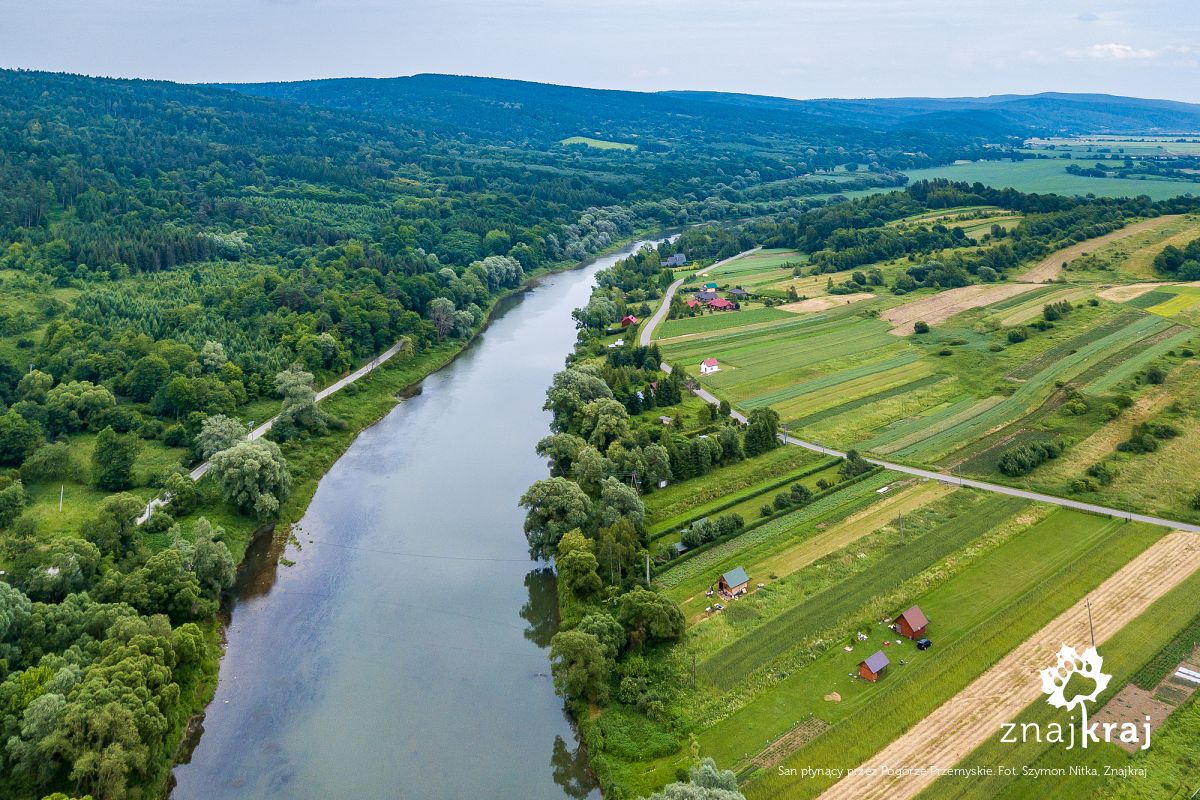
(177, 262)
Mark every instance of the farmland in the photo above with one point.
(1050, 176)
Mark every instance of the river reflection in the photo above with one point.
(403, 652)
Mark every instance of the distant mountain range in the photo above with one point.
(540, 112)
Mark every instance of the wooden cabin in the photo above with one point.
(912, 623)
(734, 582)
(873, 666)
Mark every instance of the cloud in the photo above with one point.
(1112, 51)
(1088, 16)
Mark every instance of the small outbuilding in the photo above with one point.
(734, 583)
(627, 320)
(738, 293)
(709, 365)
(711, 286)
(873, 666)
(912, 623)
(693, 303)
(665, 420)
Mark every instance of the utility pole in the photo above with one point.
(647, 570)
(1091, 627)
(61, 489)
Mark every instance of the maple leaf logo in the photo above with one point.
(1087, 664)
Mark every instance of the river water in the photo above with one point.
(400, 648)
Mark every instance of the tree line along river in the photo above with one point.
(403, 649)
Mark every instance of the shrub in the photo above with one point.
(1155, 374)
(1024, 458)
(921, 327)
(1016, 335)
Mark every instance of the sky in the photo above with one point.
(789, 48)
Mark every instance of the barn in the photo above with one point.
(912, 623)
(873, 666)
(734, 582)
(627, 320)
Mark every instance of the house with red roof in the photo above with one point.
(627, 320)
(709, 365)
(721, 304)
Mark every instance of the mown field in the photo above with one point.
(1049, 176)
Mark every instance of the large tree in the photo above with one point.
(113, 458)
(554, 506)
(649, 616)
(253, 476)
(580, 666)
(218, 433)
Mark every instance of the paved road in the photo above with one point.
(665, 305)
(199, 471)
(703, 394)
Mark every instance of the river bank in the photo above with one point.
(378, 400)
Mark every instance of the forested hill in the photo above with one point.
(538, 113)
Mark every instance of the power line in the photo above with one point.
(406, 554)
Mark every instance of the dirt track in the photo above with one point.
(1048, 268)
(825, 302)
(975, 714)
(943, 305)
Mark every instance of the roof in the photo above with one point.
(710, 286)
(738, 291)
(876, 661)
(736, 577)
(720, 302)
(629, 318)
(915, 618)
(706, 294)
(709, 362)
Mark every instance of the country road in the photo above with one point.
(647, 336)
(200, 470)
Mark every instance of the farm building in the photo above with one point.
(710, 287)
(617, 343)
(677, 260)
(912, 623)
(734, 582)
(709, 365)
(706, 296)
(721, 304)
(873, 666)
(665, 420)
(627, 320)
(693, 303)
(738, 293)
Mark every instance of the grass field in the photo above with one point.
(987, 609)
(599, 144)
(1050, 176)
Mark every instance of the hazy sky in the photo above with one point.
(793, 48)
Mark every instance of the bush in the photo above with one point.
(1024, 458)
(1155, 374)
(159, 522)
(1017, 335)
(921, 327)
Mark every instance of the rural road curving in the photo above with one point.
(647, 336)
(200, 470)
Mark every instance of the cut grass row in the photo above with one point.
(1125, 655)
(1027, 597)
(870, 399)
(759, 647)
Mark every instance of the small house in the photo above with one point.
(721, 304)
(676, 260)
(627, 320)
(665, 420)
(709, 365)
(734, 583)
(738, 293)
(912, 623)
(693, 303)
(873, 666)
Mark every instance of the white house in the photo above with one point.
(708, 366)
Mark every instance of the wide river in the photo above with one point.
(400, 648)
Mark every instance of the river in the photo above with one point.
(400, 647)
